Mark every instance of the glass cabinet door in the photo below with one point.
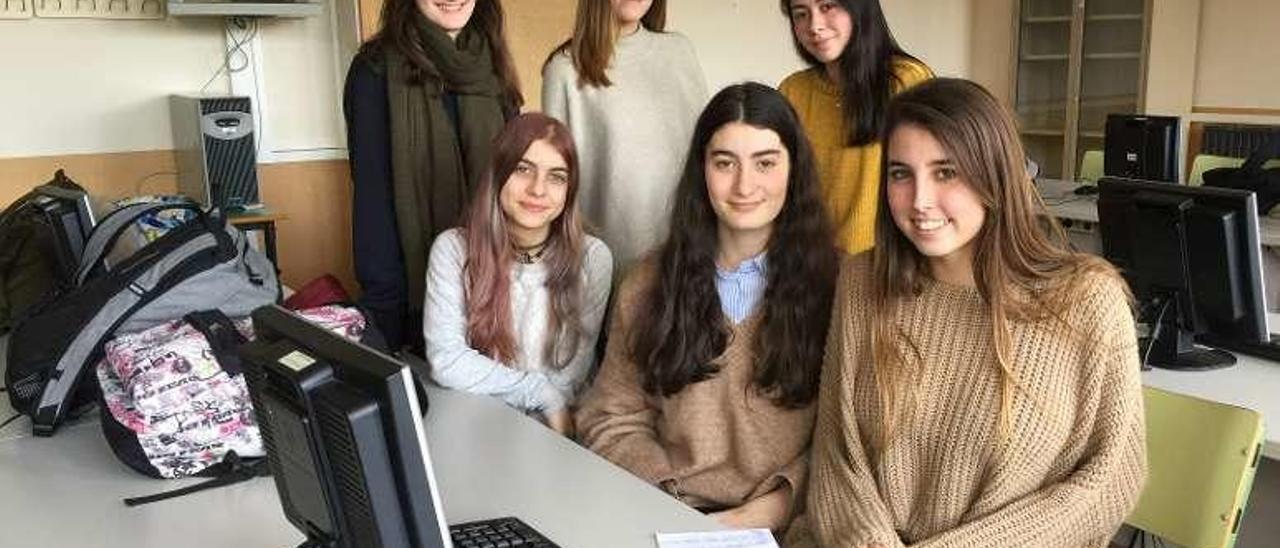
(1111, 69)
(1044, 61)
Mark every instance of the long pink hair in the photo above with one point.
(490, 256)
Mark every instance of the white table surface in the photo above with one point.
(490, 461)
(1065, 204)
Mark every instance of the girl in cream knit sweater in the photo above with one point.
(981, 384)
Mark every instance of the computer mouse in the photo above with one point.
(1085, 190)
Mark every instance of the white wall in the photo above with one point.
(736, 39)
(72, 86)
(750, 39)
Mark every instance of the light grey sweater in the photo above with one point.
(632, 136)
(528, 383)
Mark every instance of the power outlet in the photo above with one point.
(100, 9)
(16, 9)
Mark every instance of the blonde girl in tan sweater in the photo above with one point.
(708, 384)
(981, 382)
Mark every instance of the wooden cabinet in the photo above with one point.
(1076, 62)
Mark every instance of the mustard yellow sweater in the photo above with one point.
(1074, 459)
(850, 175)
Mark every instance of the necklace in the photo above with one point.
(530, 254)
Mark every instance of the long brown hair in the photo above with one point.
(490, 256)
(399, 18)
(1023, 266)
(595, 32)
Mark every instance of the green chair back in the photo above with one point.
(1201, 458)
(1091, 166)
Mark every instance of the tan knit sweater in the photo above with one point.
(1074, 461)
(719, 442)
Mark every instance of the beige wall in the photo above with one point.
(534, 28)
(936, 31)
(1238, 64)
(736, 40)
(990, 49)
(750, 39)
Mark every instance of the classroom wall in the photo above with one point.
(1236, 65)
(90, 96)
(750, 39)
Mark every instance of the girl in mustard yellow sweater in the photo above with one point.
(856, 66)
(981, 383)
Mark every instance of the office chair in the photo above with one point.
(1201, 458)
(1091, 167)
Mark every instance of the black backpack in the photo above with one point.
(203, 264)
(42, 236)
(1251, 176)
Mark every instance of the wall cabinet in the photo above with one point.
(1076, 62)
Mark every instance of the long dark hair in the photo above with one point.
(490, 257)
(399, 18)
(681, 327)
(867, 77)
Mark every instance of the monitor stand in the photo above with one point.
(1268, 350)
(1174, 348)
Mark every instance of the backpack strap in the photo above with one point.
(1266, 151)
(222, 335)
(49, 408)
(230, 471)
(108, 231)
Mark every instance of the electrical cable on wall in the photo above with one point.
(242, 30)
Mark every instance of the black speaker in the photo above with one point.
(213, 138)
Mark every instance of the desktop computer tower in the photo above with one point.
(213, 138)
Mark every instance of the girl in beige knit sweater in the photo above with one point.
(708, 384)
(981, 384)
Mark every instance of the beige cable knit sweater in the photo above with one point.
(1074, 461)
(717, 443)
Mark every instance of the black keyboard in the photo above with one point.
(497, 533)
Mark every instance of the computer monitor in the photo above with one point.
(1141, 147)
(343, 431)
(1192, 257)
(344, 436)
(70, 214)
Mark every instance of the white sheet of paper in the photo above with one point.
(742, 538)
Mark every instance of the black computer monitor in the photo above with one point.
(1138, 146)
(343, 431)
(1193, 259)
(70, 214)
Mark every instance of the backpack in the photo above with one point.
(1251, 176)
(174, 402)
(41, 238)
(203, 264)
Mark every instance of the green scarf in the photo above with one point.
(434, 167)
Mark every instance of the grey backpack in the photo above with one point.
(203, 264)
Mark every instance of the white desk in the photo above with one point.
(1065, 204)
(490, 461)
